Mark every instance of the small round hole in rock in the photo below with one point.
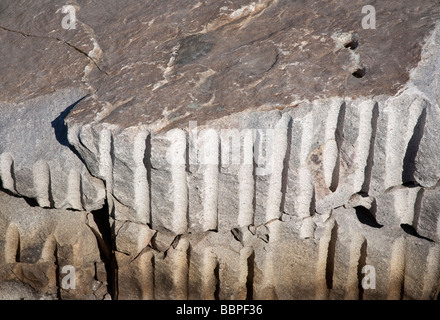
(359, 73)
(353, 44)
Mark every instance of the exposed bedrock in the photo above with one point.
(209, 150)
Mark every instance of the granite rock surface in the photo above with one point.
(218, 150)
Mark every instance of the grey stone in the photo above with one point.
(36, 159)
(246, 150)
(35, 246)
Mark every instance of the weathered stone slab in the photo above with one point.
(247, 150)
(36, 245)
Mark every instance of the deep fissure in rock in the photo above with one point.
(250, 276)
(217, 281)
(361, 263)
(370, 160)
(409, 161)
(106, 249)
(330, 264)
(57, 272)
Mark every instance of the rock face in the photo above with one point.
(39, 245)
(209, 150)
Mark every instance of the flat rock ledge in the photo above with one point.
(209, 150)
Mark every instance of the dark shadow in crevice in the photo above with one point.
(339, 134)
(409, 229)
(30, 201)
(353, 44)
(60, 127)
(359, 73)
(286, 166)
(57, 272)
(370, 159)
(217, 281)
(409, 161)
(106, 248)
(366, 217)
(147, 164)
(330, 263)
(361, 263)
(250, 277)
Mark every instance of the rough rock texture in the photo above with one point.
(36, 160)
(209, 150)
(35, 245)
